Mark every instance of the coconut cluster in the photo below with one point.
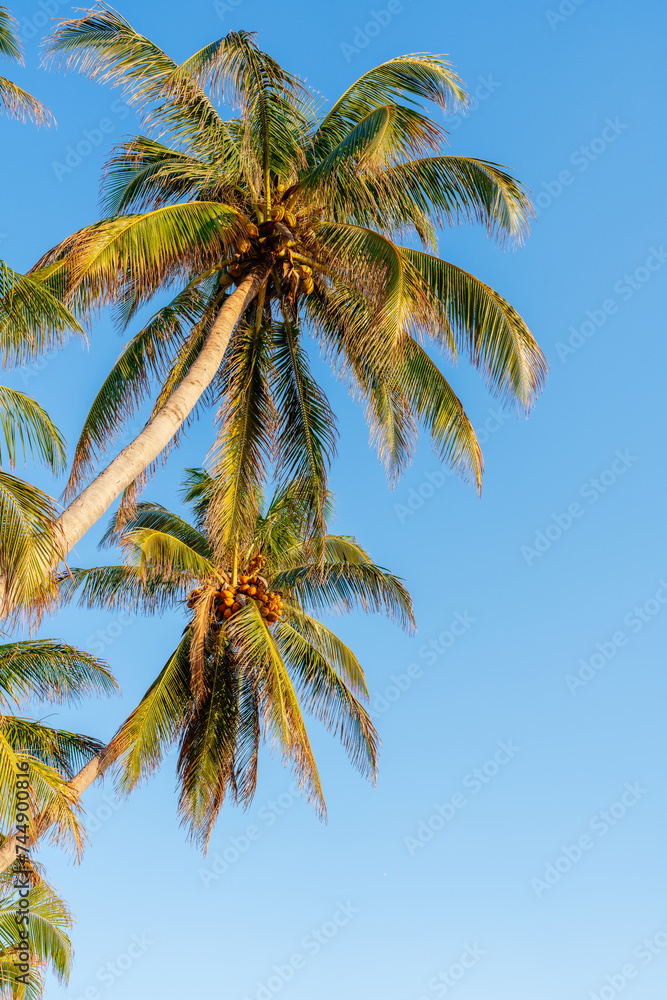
(250, 585)
(276, 235)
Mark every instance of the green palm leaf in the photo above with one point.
(420, 75)
(485, 326)
(435, 404)
(46, 669)
(306, 425)
(327, 697)
(156, 723)
(247, 422)
(27, 516)
(32, 317)
(136, 255)
(342, 587)
(27, 427)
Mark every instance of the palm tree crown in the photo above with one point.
(305, 213)
(251, 655)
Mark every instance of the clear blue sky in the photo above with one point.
(550, 579)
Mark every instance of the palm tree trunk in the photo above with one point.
(96, 499)
(92, 770)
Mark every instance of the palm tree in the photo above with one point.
(251, 655)
(48, 945)
(280, 220)
(17, 102)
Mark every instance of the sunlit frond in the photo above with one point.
(27, 429)
(49, 670)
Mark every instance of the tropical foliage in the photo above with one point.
(48, 945)
(32, 320)
(48, 759)
(45, 670)
(17, 102)
(312, 214)
(252, 655)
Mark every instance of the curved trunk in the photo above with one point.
(96, 498)
(94, 769)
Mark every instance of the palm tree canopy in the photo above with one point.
(252, 654)
(15, 101)
(321, 205)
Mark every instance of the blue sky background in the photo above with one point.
(550, 84)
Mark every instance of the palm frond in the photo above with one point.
(29, 544)
(161, 553)
(485, 326)
(105, 47)
(10, 47)
(121, 588)
(27, 427)
(32, 317)
(305, 425)
(419, 75)
(61, 750)
(49, 670)
(156, 723)
(325, 695)
(435, 404)
(207, 754)
(133, 256)
(342, 587)
(145, 173)
(444, 190)
(278, 701)
(239, 462)
(18, 103)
